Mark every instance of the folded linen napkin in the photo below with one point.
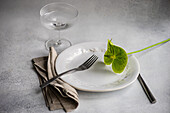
(59, 94)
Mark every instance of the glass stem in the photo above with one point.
(59, 39)
(59, 34)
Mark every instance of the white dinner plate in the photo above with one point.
(100, 77)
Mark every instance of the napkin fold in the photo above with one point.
(59, 94)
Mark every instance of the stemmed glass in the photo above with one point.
(58, 16)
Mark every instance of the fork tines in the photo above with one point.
(90, 61)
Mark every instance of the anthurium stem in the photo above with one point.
(164, 41)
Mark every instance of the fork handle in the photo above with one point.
(54, 78)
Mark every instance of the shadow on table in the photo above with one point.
(104, 95)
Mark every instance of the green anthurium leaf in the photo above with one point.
(116, 56)
(120, 61)
(109, 54)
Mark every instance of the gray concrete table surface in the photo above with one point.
(132, 24)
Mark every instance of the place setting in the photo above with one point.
(87, 66)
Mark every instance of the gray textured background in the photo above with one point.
(133, 24)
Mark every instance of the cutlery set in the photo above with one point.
(87, 64)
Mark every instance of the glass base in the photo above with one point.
(58, 44)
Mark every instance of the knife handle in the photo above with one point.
(146, 90)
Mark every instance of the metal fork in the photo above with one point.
(86, 65)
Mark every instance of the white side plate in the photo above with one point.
(100, 77)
